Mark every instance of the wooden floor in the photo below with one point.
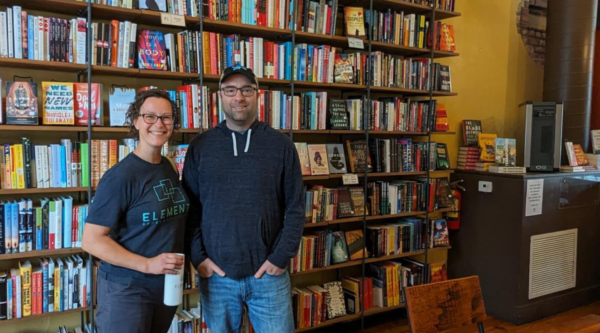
(396, 323)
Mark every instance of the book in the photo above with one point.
(318, 159)
(438, 271)
(470, 130)
(21, 103)
(439, 233)
(356, 244)
(358, 155)
(487, 146)
(336, 158)
(119, 100)
(152, 50)
(338, 114)
(81, 104)
(442, 161)
(355, 22)
(507, 169)
(570, 150)
(447, 38)
(157, 5)
(335, 299)
(441, 118)
(302, 149)
(595, 134)
(58, 106)
(580, 155)
(343, 70)
(339, 248)
(505, 152)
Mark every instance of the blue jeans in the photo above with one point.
(268, 301)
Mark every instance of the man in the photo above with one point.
(247, 213)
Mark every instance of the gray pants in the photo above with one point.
(131, 309)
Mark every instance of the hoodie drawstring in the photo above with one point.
(235, 142)
(248, 140)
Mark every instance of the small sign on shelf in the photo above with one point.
(356, 43)
(350, 179)
(172, 19)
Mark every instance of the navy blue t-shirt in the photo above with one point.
(145, 207)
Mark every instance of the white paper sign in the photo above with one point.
(350, 179)
(172, 19)
(535, 197)
(356, 43)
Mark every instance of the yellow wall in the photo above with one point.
(493, 73)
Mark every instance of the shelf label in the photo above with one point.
(356, 43)
(172, 19)
(350, 179)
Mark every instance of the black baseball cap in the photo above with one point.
(238, 69)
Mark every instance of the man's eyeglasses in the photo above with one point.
(152, 119)
(232, 91)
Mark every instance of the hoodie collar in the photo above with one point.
(223, 127)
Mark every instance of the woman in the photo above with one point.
(135, 224)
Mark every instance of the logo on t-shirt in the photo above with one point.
(166, 191)
(172, 197)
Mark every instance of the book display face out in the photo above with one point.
(352, 114)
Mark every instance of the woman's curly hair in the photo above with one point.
(133, 112)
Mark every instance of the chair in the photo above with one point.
(446, 305)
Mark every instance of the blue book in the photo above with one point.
(67, 220)
(2, 229)
(14, 209)
(30, 38)
(63, 166)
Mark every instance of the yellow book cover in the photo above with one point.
(13, 167)
(396, 285)
(487, 146)
(355, 22)
(25, 270)
(19, 166)
(58, 106)
(57, 286)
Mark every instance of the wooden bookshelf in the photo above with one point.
(67, 7)
(42, 65)
(40, 253)
(351, 317)
(43, 315)
(358, 263)
(374, 218)
(191, 291)
(42, 190)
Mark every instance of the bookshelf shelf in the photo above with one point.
(115, 71)
(369, 312)
(42, 65)
(443, 133)
(374, 218)
(190, 291)
(43, 190)
(40, 253)
(45, 128)
(44, 315)
(67, 7)
(226, 27)
(358, 262)
(440, 173)
(371, 174)
(446, 248)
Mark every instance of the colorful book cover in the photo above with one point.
(580, 155)
(81, 104)
(302, 149)
(440, 233)
(57, 105)
(157, 5)
(152, 50)
(355, 22)
(318, 160)
(336, 158)
(487, 145)
(338, 114)
(339, 248)
(506, 152)
(21, 103)
(443, 161)
(356, 244)
(179, 152)
(470, 129)
(343, 70)
(439, 272)
(118, 103)
(447, 38)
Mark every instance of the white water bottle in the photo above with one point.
(174, 287)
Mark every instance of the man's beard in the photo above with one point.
(241, 117)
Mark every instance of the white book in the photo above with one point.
(40, 38)
(30, 225)
(9, 32)
(68, 146)
(68, 284)
(45, 166)
(18, 47)
(81, 39)
(3, 37)
(120, 46)
(58, 220)
(50, 284)
(36, 42)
